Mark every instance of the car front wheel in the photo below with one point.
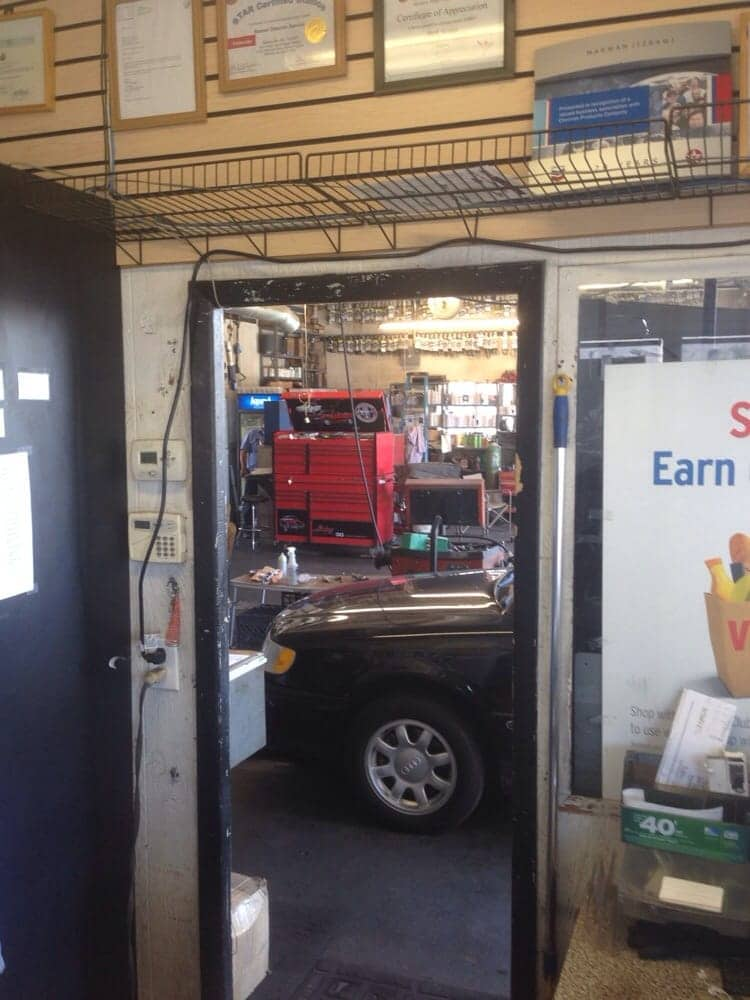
(416, 765)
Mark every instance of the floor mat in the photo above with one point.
(338, 981)
(735, 973)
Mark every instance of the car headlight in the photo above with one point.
(278, 658)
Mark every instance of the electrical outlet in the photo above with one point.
(171, 681)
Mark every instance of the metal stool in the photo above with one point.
(250, 511)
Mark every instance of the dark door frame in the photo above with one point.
(210, 498)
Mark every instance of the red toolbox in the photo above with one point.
(320, 491)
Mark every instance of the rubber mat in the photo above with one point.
(735, 975)
(339, 981)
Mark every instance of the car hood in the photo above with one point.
(425, 604)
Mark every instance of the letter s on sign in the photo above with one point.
(741, 418)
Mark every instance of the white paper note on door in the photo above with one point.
(16, 533)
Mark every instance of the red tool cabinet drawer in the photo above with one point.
(292, 522)
(290, 455)
(337, 457)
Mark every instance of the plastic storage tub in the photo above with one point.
(639, 879)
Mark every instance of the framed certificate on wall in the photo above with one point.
(156, 57)
(266, 43)
(27, 62)
(743, 146)
(420, 45)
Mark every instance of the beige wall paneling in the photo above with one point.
(66, 12)
(78, 42)
(73, 115)
(78, 78)
(354, 114)
(379, 370)
(540, 15)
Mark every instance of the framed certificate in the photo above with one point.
(157, 74)
(27, 62)
(268, 43)
(743, 145)
(419, 45)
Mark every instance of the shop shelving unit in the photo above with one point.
(284, 361)
(382, 186)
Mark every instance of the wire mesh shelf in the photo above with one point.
(687, 153)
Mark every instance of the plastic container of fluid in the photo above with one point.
(291, 564)
(282, 565)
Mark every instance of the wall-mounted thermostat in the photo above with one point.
(170, 542)
(146, 457)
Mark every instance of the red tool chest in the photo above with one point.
(319, 492)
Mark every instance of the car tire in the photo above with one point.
(416, 766)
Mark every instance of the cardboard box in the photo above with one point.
(729, 631)
(250, 934)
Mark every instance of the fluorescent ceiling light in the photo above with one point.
(602, 286)
(493, 324)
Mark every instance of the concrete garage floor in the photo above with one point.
(424, 907)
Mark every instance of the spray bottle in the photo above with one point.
(291, 564)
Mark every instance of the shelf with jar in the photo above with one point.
(476, 406)
(281, 355)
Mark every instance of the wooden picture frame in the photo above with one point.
(743, 142)
(325, 27)
(39, 74)
(489, 56)
(185, 88)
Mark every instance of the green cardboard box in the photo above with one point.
(727, 840)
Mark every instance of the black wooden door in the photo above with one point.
(64, 715)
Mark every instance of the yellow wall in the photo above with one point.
(343, 113)
(379, 370)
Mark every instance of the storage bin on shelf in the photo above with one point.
(712, 853)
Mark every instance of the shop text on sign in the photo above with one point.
(671, 471)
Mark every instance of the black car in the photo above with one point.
(407, 681)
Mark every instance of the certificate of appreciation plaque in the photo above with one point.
(27, 62)
(421, 43)
(265, 42)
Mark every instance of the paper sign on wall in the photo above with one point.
(16, 534)
(676, 498)
(33, 385)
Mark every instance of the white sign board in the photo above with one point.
(33, 385)
(676, 490)
(16, 537)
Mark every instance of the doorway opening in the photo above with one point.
(367, 366)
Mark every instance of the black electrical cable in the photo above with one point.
(109, 139)
(132, 951)
(168, 428)
(363, 472)
(544, 248)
